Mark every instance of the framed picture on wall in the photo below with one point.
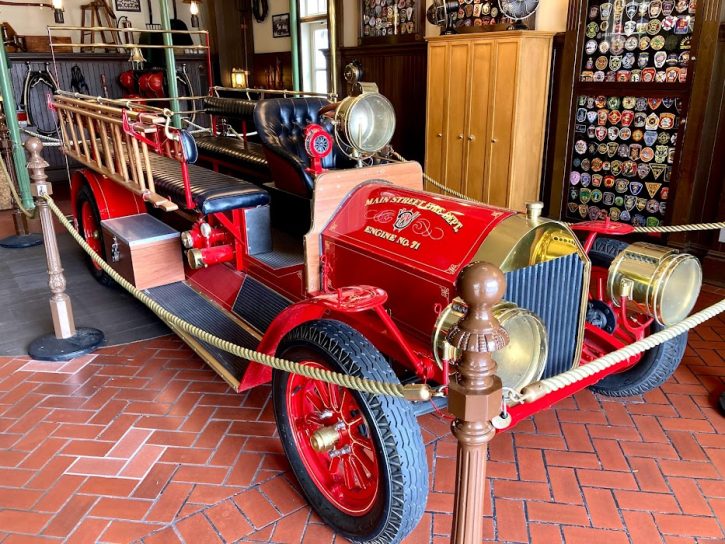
(391, 21)
(128, 5)
(280, 25)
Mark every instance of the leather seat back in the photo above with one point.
(280, 125)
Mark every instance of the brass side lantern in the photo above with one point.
(240, 78)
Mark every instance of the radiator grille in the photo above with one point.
(553, 291)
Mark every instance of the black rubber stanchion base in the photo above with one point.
(20, 241)
(50, 348)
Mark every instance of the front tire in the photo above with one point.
(657, 364)
(372, 486)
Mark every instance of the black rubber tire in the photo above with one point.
(657, 364)
(393, 426)
(86, 195)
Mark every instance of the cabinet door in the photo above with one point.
(436, 113)
(503, 99)
(456, 113)
(478, 113)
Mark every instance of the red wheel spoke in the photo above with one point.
(348, 474)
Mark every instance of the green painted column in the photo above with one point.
(294, 24)
(170, 62)
(11, 118)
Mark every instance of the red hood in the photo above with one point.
(435, 234)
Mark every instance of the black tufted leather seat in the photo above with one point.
(231, 149)
(280, 125)
(212, 192)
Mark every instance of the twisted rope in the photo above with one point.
(48, 141)
(549, 385)
(351, 382)
(672, 228)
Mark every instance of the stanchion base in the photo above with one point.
(20, 241)
(50, 348)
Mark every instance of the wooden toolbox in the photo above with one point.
(143, 250)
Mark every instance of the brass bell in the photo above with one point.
(136, 57)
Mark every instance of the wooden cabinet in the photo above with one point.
(486, 112)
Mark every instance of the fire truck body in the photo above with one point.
(370, 290)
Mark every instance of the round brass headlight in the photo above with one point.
(521, 362)
(366, 122)
(658, 281)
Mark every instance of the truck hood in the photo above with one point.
(435, 234)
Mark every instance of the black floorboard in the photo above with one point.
(24, 294)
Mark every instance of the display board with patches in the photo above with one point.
(632, 84)
(477, 13)
(624, 151)
(391, 20)
(638, 41)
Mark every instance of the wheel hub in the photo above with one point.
(325, 438)
(335, 442)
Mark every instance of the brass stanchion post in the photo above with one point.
(474, 395)
(67, 341)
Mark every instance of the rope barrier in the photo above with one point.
(549, 385)
(410, 391)
(48, 141)
(669, 228)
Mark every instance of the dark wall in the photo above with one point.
(400, 72)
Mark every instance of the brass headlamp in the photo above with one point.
(521, 362)
(364, 124)
(657, 281)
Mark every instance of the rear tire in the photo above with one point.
(89, 226)
(657, 364)
(391, 501)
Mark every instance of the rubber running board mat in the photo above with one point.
(258, 305)
(186, 303)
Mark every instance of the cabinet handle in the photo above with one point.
(440, 135)
(471, 137)
(460, 136)
(494, 140)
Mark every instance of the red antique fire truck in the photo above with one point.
(337, 257)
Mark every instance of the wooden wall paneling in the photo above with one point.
(705, 44)
(264, 68)
(547, 170)
(400, 72)
(573, 46)
(711, 174)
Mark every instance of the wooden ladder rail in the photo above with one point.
(92, 135)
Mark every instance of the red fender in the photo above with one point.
(112, 199)
(361, 307)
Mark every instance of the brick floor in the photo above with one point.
(143, 443)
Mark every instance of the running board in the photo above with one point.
(189, 305)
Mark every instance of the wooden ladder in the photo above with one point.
(101, 15)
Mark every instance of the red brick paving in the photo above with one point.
(143, 443)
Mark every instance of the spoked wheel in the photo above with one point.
(359, 458)
(89, 226)
(657, 364)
